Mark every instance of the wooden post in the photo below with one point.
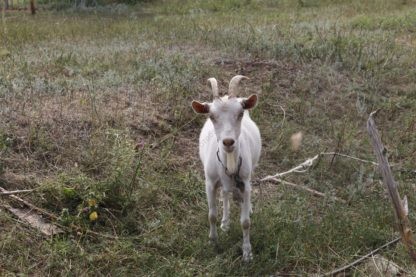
(32, 7)
(400, 206)
(3, 17)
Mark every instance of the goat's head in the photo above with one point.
(226, 112)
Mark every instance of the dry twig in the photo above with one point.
(303, 167)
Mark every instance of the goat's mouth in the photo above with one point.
(229, 149)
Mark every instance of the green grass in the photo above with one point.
(96, 106)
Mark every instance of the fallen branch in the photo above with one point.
(302, 187)
(359, 260)
(400, 206)
(8, 192)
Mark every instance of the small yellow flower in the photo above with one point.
(93, 216)
(92, 202)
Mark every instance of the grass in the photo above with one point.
(96, 106)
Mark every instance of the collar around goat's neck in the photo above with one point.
(231, 166)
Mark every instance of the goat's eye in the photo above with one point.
(212, 117)
(240, 115)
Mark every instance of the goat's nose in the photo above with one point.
(228, 142)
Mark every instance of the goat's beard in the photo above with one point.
(231, 162)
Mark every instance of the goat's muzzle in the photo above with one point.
(228, 145)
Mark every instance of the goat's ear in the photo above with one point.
(249, 102)
(200, 107)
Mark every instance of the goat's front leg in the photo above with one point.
(225, 222)
(245, 222)
(211, 190)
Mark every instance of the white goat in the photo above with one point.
(229, 148)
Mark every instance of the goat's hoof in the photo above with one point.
(213, 239)
(225, 225)
(247, 257)
(247, 254)
(213, 242)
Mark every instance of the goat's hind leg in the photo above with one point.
(211, 190)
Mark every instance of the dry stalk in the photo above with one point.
(400, 206)
(347, 156)
(302, 187)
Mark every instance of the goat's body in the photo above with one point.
(215, 159)
(229, 148)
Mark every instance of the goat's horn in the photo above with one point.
(214, 87)
(232, 89)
